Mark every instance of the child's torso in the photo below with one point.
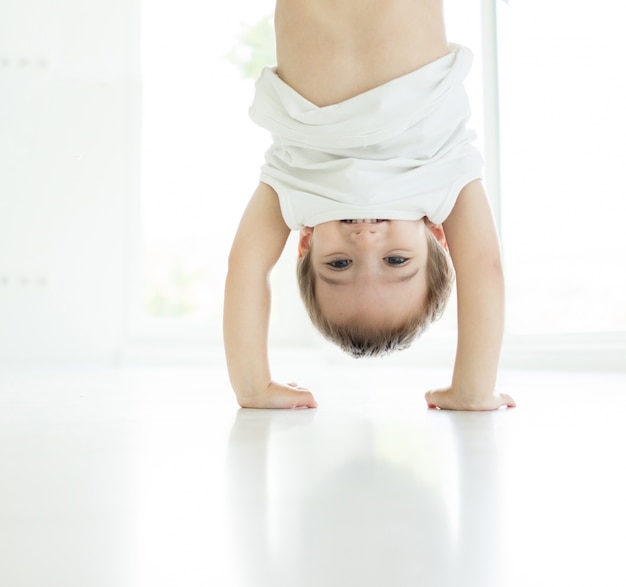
(331, 50)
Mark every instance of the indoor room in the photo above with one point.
(127, 158)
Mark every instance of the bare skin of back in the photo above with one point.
(331, 50)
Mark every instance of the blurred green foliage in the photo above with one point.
(255, 48)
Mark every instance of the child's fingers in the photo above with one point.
(292, 396)
(299, 399)
(447, 400)
(278, 396)
(507, 400)
(437, 399)
(430, 400)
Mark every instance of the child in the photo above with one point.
(372, 162)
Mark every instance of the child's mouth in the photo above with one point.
(364, 221)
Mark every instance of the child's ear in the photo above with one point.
(440, 235)
(304, 241)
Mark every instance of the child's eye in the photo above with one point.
(395, 260)
(339, 263)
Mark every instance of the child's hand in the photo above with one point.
(277, 395)
(449, 399)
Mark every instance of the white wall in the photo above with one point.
(68, 144)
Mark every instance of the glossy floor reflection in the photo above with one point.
(154, 477)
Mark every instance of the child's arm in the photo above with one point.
(258, 244)
(475, 251)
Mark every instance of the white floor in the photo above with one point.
(154, 477)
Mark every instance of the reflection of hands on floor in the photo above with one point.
(449, 399)
(357, 494)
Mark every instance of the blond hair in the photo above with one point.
(362, 340)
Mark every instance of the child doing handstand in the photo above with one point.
(372, 162)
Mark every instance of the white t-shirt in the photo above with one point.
(399, 151)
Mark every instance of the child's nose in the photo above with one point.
(366, 235)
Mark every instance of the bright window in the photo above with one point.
(200, 156)
(563, 155)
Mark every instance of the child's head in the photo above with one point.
(373, 286)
